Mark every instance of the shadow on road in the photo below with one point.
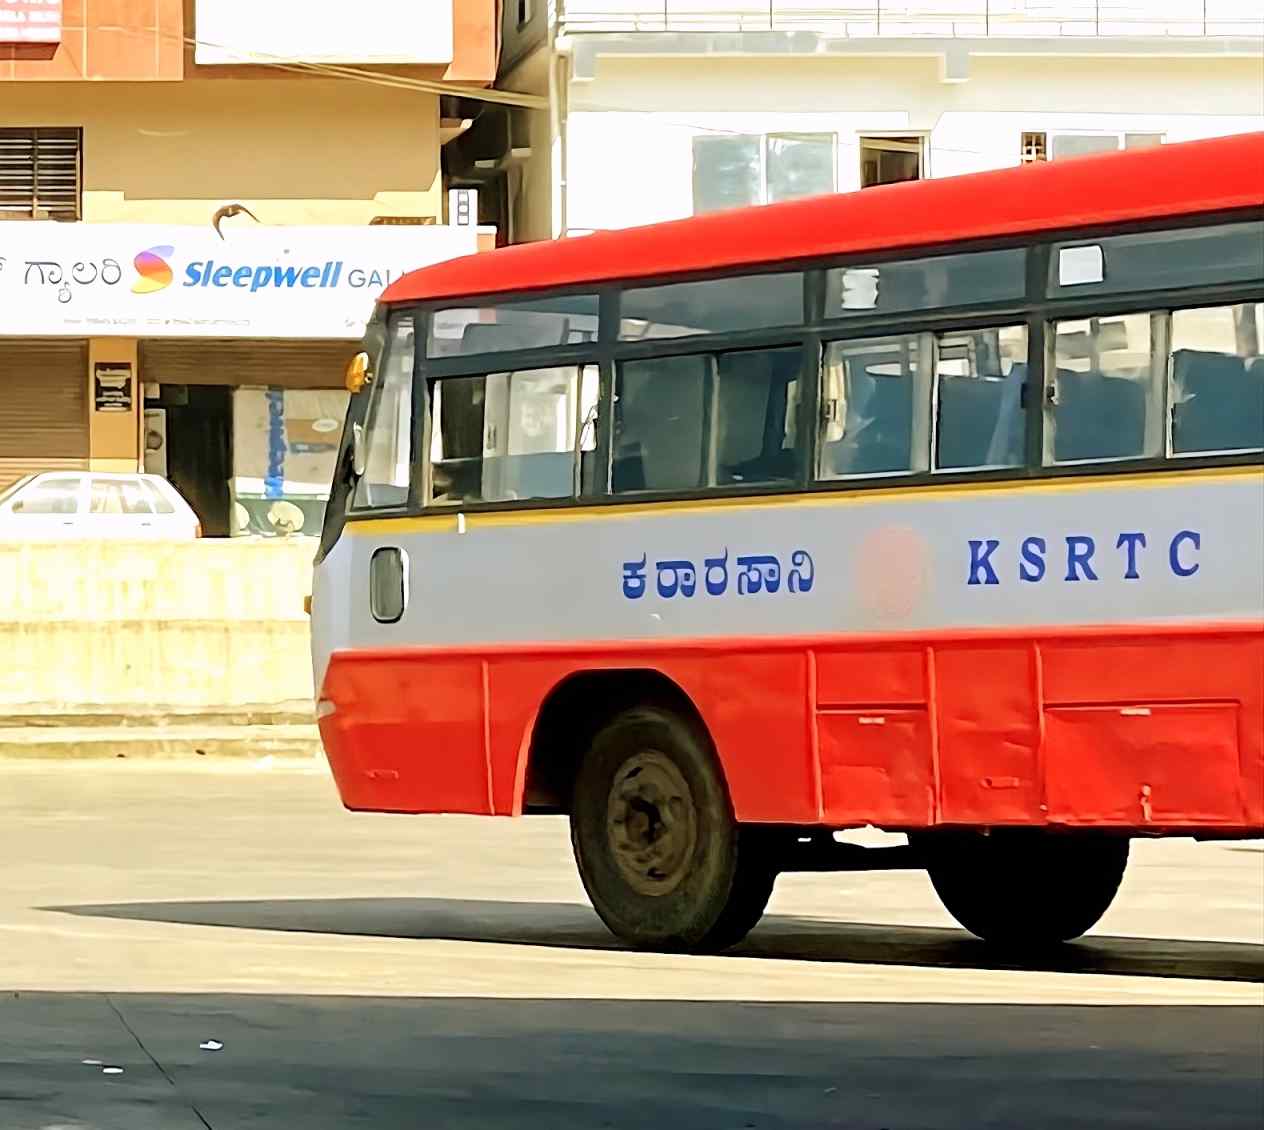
(330, 1063)
(568, 925)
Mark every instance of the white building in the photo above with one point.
(665, 108)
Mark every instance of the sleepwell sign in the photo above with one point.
(160, 281)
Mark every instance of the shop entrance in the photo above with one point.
(200, 449)
(248, 429)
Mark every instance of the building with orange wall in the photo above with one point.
(148, 145)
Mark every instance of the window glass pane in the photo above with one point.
(1155, 260)
(52, 496)
(1107, 400)
(1218, 378)
(456, 440)
(799, 164)
(388, 427)
(509, 436)
(981, 419)
(875, 400)
(756, 431)
(567, 319)
(726, 171)
(8, 492)
(926, 284)
(889, 160)
(660, 424)
(747, 302)
(115, 496)
(160, 502)
(1082, 144)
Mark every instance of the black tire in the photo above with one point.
(703, 883)
(1026, 889)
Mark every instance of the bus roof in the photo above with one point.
(1182, 179)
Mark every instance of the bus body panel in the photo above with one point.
(1076, 652)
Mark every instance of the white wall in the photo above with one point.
(631, 128)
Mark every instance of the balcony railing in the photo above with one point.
(1024, 19)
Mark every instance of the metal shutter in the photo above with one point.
(43, 406)
(39, 174)
(214, 361)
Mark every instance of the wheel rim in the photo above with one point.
(652, 823)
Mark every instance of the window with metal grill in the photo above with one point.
(40, 173)
(1035, 147)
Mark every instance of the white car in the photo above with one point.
(89, 504)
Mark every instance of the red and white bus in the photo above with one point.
(935, 507)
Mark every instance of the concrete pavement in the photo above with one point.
(390, 971)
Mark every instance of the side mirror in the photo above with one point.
(357, 374)
(359, 450)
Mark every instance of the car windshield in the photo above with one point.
(8, 492)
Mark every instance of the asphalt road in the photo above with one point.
(222, 946)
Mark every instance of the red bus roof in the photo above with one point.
(1166, 181)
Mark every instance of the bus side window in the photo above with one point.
(1217, 392)
(980, 375)
(755, 399)
(880, 403)
(507, 436)
(1106, 397)
(388, 431)
(456, 440)
(660, 418)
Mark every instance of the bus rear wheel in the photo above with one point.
(1026, 889)
(660, 854)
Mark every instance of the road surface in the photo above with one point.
(221, 945)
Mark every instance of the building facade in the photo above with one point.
(199, 201)
(662, 109)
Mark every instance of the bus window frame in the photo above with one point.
(1037, 310)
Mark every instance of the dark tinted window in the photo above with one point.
(659, 424)
(530, 324)
(745, 302)
(1156, 260)
(756, 410)
(926, 284)
(682, 423)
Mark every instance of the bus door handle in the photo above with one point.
(388, 584)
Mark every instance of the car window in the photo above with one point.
(118, 496)
(49, 496)
(8, 492)
(157, 499)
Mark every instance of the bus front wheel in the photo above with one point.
(1021, 888)
(660, 854)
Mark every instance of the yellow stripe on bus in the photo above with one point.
(446, 521)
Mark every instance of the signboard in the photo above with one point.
(143, 280)
(285, 446)
(30, 21)
(298, 31)
(112, 386)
